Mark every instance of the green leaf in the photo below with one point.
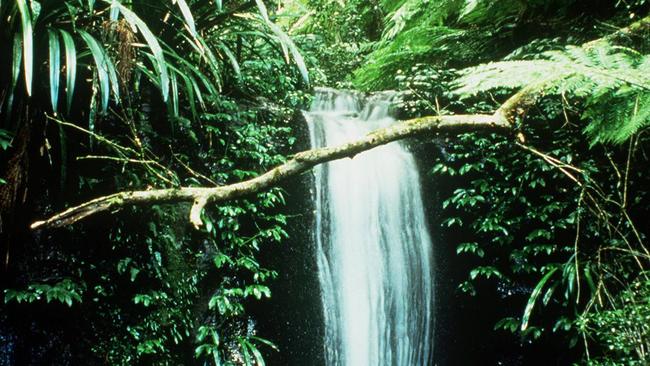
(154, 45)
(257, 354)
(206, 52)
(265, 341)
(189, 89)
(243, 344)
(470, 248)
(28, 45)
(174, 100)
(192, 87)
(134, 273)
(70, 66)
(286, 42)
(221, 259)
(533, 298)
(55, 67)
(187, 15)
(231, 58)
(35, 6)
(5, 139)
(15, 72)
(10, 295)
(549, 293)
(510, 324)
(204, 348)
(589, 279)
(102, 70)
(115, 11)
(485, 271)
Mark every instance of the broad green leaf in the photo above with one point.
(35, 6)
(215, 337)
(112, 75)
(154, 45)
(231, 57)
(189, 89)
(257, 354)
(533, 298)
(549, 293)
(266, 342)
(285, 42)
(5, 139)
(210, 58)
(115, 11)
(15, 72)
(196, 72)
(174, 100)
(28, 45)
(470, 5)
(70, 66)
(175, 73)
(589, 279)
(187, 15)
(102, 69)
(55, 67)
(245, 352)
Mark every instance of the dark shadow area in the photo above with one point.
(292, 318)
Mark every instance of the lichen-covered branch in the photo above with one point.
(301, 162)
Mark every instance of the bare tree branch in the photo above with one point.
(301, 162)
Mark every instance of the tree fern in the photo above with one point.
(615, 117)
(419, 31)
(613, 81)
(414, 45)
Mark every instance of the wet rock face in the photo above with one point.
(292, 317)
(7, 342)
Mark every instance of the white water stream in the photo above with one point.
(374, 248)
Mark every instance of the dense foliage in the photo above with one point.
(102, 96)
(554, 219)
(152, 94)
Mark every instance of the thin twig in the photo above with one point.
(114, 158)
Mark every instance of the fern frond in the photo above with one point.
(613, 81)
(616, 118)
(411, 46)
(506, 74)
(479, 11)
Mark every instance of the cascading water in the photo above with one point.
(374, 249)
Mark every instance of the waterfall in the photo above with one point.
(373, 245)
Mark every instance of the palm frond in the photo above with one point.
(70, 66)
(288, 46)
(187, 15)
(55, 67)
(105, 69)
(28, 42)
(410, 47)
(154, 45)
